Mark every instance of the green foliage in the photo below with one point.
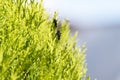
(30, 49)
(88, 78)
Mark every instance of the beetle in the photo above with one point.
(58, 34)
(55, 22)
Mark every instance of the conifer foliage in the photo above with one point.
(33, 47)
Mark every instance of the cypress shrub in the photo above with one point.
(34, 47)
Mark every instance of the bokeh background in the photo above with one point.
(98, 24)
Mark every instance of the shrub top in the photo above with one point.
(34, 47)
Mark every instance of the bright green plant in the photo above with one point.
(31, 48)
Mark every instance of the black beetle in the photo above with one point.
(58, 34)
(55, 22)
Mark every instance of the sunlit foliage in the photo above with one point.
(31, 48)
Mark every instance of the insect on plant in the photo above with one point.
(58, 34)
(55, 22)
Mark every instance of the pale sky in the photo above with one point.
(86, 11)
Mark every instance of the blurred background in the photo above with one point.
(98, 24)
